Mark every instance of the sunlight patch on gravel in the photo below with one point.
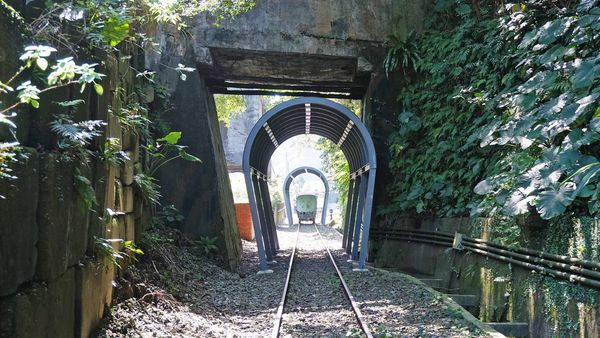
(180, 293)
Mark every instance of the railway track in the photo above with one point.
(344, 290)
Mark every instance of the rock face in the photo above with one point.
(200, 191)
(234, 137)
(19, 230)
(62, 220)
(94, 293)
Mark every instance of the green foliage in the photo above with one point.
(335, 163)
(403, 54)
(112, 154)
(208, 245)
(277, 199)
(165, 150)
(148, 186)
(106, 24)
(75, 137)
(63, 73)
(228, 107)
(175, 11)
(572, 237)
(167, 216)
(505, 96)
(134, 118)
(502, 230)
(86, 192)
(114, 30)
(549, 118)
(8, 154)
(132, 250)
(104, 248)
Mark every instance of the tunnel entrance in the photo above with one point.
(322, 117)
(286, 191)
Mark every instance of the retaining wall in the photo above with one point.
(507, 293)
(53, 280)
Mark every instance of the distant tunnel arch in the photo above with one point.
(311, 115)
(286, 191)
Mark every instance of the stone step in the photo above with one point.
(465, 300)
(434, 283)
(519, 330)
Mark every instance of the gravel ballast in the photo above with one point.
(316, 304)
(174, 291)
(395, 305)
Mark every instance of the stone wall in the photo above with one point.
(54, 282)
(200, 191)
(506, 293)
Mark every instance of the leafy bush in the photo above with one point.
(506, 94)
(208, 245)
(63, 73)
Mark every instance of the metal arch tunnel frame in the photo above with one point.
(286, 191)
(363, 165)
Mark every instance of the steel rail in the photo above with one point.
(279, 315)
(359, 316)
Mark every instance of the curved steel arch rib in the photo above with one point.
(286, 191)
(310, 115)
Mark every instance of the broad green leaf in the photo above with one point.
(573, 111)
(587, 176)
(70, 103)
(484, 187)
(98, 88)
(587, 191)
(595, 124)
(525, 101)
(552, 54)
(578, 138)
(529, 38)
(552, 30)
(5, 120)
(172, 137)
(442, 5)
(188, 157)
(587, 20)
(415, 192)
(585, 74)
(517, 203)
(115, 30)
(554, 106)
(41, 63)
(539, 81)
(463, 9)
(585, 5)
(420, 207)
(553, 202)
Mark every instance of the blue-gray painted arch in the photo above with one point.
(286, 191)
(325, 118)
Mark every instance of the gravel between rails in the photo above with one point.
(176, 292)
(316, 304)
